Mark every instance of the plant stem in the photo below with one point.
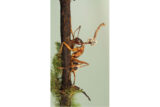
(66, 54)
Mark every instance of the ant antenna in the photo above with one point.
(79, 28)
(95, 34)
(71, 29)
(92, 41)
(72, 33)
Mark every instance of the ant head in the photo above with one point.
(78, 41)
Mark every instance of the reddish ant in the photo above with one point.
(78, 51)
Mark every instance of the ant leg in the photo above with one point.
(74, 77)
(67, 67)
(72, 72)
(68, 47)
(81, 62)
(64, 43)
(61, 68)
(78, 66)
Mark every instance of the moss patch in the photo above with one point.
(56, 79)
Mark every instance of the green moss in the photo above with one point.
(56, 78)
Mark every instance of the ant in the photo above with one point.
(78, 51)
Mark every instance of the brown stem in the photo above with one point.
(66, 57)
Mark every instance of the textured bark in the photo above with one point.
(66, 54)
